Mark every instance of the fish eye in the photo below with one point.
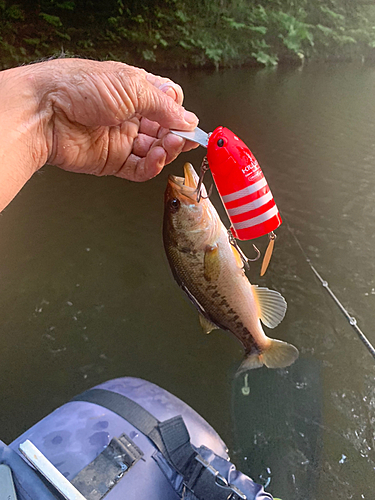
(175, 204)
(220, 143)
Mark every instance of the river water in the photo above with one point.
(86, 294)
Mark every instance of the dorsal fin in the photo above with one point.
(272, 305)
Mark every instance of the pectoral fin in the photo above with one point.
(207, 325)
(211, 263)
(237, 255)
(271, 304)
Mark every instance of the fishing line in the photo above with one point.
(352, 320)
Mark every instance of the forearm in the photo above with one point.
(23, 124)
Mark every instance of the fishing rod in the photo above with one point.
(351, 319)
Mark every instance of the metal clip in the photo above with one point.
(221, 481)
(204, 167)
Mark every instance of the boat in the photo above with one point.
(128, 439)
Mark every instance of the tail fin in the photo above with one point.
(279, 355)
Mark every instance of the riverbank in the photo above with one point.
(177, 34)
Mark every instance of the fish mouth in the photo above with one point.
(187, 185)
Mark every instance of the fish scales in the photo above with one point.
(214, 303)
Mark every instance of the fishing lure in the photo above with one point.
(241, 185)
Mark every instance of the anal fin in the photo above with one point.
(206, 324)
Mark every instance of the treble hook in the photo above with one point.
(258, 254)
(204, 167)
(244, 259)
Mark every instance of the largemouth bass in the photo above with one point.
(210, 271)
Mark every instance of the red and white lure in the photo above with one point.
(241, 185)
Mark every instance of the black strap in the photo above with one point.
(176, 440)
(126, 408)
(170, 437)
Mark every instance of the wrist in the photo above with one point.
(25, 115)
(24, 119)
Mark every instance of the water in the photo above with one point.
(86, 294)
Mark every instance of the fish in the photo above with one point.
(210, 270)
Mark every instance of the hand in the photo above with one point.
(103, 118)
(108, 118)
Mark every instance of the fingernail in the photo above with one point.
(191, 118)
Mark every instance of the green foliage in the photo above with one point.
(66, 5)
(264, 58)
(148, 55)
(186, 33)
(52, 20)
(15, 13)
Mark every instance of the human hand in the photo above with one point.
(104, 118)
(108, 118)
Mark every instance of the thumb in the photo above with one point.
(159, 107)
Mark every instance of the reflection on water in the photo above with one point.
(86, 293)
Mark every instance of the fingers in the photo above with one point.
(154, 102)
(172, 91)
(171, 144)
(142, 169)
(149, 127)
(142, 145)
(150, 155)
(153, 130)
(158, 106)
(189, 146)
(167, 86)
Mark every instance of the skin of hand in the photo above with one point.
(102, 118)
